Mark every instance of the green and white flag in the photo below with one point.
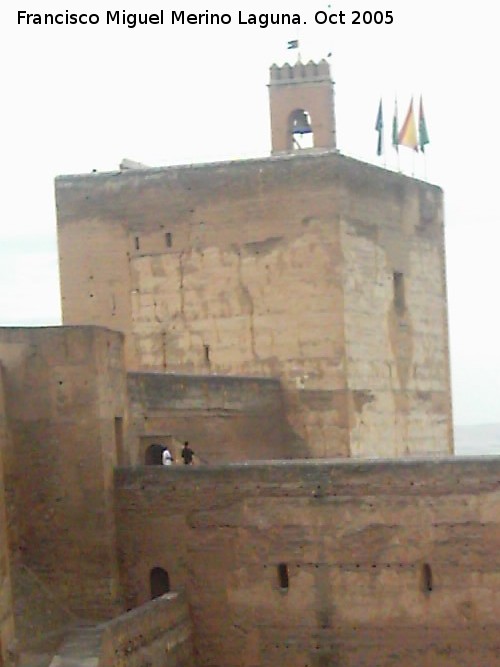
(423, 135)
(395, 130)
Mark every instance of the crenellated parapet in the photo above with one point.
(300, 72)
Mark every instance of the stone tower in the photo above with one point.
(301, 100)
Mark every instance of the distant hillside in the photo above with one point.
(477, 440)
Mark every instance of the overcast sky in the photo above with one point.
(77, 98)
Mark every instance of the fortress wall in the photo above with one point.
(64, 387)
(158, 634)
(389, 563)
(7, 633)
(224, 418)
(278, 267)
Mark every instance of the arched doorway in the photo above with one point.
(159, 582)
(153, 455)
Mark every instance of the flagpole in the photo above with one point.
(423, 135)
(395, 132)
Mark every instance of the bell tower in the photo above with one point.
(302, 107)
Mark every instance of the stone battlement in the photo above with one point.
(300, 73)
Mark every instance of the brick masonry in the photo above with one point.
(318, 270)
(157, 634)
(7, 632)
(225, 419)
(64, 389)
(389, 563)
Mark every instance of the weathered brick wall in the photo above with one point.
(64, 387)
(389, 563)
(224, 418)
(157, 634)
(7, 635)
(279, 267)
(397, 356)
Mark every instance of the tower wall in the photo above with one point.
(225, 419)
(64, 390)
(284, 267)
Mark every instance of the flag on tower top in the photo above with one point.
(395, 131)
(408, 133)
(423, 136)
(293, 44)
(379, 127)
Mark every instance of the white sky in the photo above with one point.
(77, 98)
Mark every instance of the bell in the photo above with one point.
(301, 124)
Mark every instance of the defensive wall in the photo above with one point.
(159, 634)
(156, 634)
(7, 634)
(65, 399)
(319, 270)
(225, 419)
(71, 415)
(393, 563)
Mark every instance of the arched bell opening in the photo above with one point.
(300, 130)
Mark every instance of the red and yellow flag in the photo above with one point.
(408, 133)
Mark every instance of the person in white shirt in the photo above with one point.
(166, 458)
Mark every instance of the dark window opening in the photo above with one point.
(206, 348)
(159, 582)
(168, 239)
(154, 455)
(399, 291)
(120, 452)
(137, 243)
(283, 576)
(427, 577)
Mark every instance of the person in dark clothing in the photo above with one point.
(187, 454)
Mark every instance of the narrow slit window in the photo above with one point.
(427, 577)
(206, 349)
(137, 243)
(399, 291)
(283, 576)
(168, 239)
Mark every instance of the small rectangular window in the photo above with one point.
(399, 291)
(137, 243)
(207, 353)
(168, 239)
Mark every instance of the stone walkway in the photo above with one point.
(80, 648)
